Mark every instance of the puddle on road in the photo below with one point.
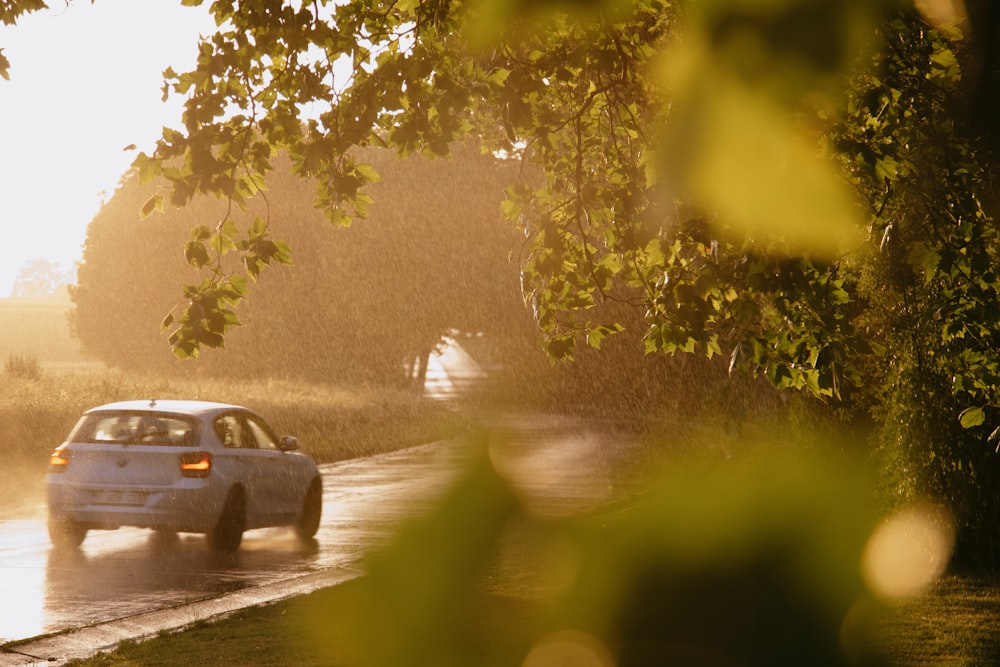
(120, 573)
(129, 571)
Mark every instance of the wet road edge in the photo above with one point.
(90, 640)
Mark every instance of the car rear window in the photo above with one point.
(136, 428)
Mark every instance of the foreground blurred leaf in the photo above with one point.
(411, 606)
(751, 561)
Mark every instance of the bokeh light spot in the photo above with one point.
(909, 551)
(570, 648)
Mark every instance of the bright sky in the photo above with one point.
(85, 82)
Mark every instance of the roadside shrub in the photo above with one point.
(23, 366)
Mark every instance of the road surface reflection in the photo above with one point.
(126, 573)
(121, 573)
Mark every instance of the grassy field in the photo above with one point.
(957, 624)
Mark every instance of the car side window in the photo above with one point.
(231, 432)
(261, 434)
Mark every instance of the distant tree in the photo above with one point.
(435, 257)
(118, 306)
(40, 279)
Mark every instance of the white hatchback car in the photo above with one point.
(179, 466)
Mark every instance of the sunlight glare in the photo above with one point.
(85, 83)
(23, 611)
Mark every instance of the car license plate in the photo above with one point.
(115, 497)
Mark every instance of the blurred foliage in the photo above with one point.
(750, 562)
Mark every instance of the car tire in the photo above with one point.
(312, 509)
(66, 533)
(227, 533)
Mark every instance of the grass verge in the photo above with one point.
(953, 625)
(296, 632)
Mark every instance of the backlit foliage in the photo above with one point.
(363, 303)
(661, 157)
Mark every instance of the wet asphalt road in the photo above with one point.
(128, 584)
(128, 573)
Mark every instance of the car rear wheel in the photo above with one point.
(312, 509)
(66, 533)
(228, 531)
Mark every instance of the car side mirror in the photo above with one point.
(288, 443)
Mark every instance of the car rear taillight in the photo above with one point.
(59, 460)
(196, 464)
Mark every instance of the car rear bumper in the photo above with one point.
(181, 509)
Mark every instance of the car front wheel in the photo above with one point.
(228, 531)
(66, 533)
(312, 508)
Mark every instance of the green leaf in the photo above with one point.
(560, 348)
(925, 259)
(222, 242)
(196, 254)
(153, 204)
(971, 417)
(498, 76)
(368, 173)
(886, 169)
(282, 252)
(148, 168)
(945, 59)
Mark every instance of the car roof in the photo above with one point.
(188, 407)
